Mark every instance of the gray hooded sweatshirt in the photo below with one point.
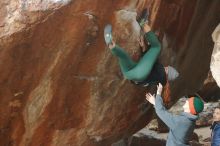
(181, 126)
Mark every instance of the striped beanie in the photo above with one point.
(196, 105)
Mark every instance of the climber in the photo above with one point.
(147, 70)
(181, 126)
(215, 137)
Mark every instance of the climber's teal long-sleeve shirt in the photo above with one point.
(138, 71)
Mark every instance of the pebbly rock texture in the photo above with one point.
(60, 86)
(151, 138)
(141, 138)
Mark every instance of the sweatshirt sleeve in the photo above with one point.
(163, 114)
(216, 137)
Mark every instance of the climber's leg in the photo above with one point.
(125, 61)
(139, 71)
(143, 68)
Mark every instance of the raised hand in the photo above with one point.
(150, 98)
(159, 89)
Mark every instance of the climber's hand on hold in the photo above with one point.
(112, 44)
(159, 89)
(141, 43)
(150, 98)
(146, 28)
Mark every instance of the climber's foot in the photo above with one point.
(108, 36)
(143, 18)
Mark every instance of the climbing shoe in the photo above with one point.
(143, 18)
(108, 34)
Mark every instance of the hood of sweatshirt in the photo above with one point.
(190, 116)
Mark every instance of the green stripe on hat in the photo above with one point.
(198, 104)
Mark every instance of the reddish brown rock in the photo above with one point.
(59, 85)
(193, 59)
(210, 90)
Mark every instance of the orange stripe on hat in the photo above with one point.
(191, 106)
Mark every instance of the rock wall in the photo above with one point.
(187, 41)
(215, 61)
(60, 86)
